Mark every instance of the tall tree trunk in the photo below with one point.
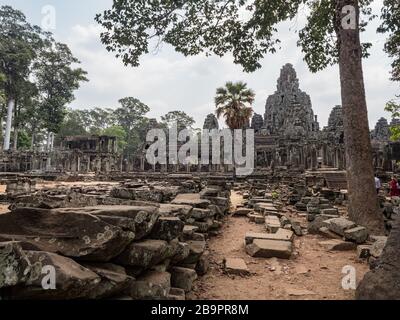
(48, 142)
(7, 134)
(33, 140)
(363, 205)
(15, 138)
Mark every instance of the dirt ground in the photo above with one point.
(312, 273)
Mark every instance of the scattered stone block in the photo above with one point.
(192, 199)
(272, 224)
(183, 278)
(270, 248)
(146, 253)
(71, 232)
(363, 251)
(15, 266)
(73, 281)
(378, 246)
(243, 212)
(200, 214)
(330, 211)
(281, 234)
(167, 228)
(236, 266)
(197, 248)
(339, 225)
(203, 264)
(325, 232)
(189, 230)
(358, 234)
(152, 285)
(113, 280)
(338, 245)
(318, 222)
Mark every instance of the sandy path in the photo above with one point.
(313, 269)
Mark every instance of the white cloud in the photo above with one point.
(169, 81)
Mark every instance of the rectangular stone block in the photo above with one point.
(358, 234)
(269, 249)
(339, 225)
(281, 234)
(272, 224)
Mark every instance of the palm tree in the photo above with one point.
(233, 102)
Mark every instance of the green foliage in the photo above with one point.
(119, 132)
(247, 29)
(19, 44)
(394, 108)
(391, 25)
(180, 118)
(36, 72)
(56, 81)
(128, 123)
(233, 102)
(24, 140)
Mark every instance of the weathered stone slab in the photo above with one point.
(183, 278)
(199, 214)
(153, 285)
(181, 253)
(189, 230)
(363, 251)
(167, 228)
(243, 212)
(269, 249)
(203, 264)
(325, 232)
(143, 217)
(114, 280)
(378, 246)
(254, 217)
(146, 253)
(330, 211)
(175, 210)
(281, 234)
(358, 234)
(73, 281)
(272, 224)
(15, 266)
(192, 199)
(318, 222)
(339, 225)
(196, 250)
(338, 245)
(236, 266)
(72, 233)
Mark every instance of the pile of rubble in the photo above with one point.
(154, 248)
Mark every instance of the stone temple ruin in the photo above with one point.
(288, 136)
(136, 232)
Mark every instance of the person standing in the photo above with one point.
(394, 187)
(378, 184)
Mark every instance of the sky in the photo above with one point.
(168, 81)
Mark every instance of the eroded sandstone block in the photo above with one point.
(153, 285)
(72, 233)
(72, 280)
(167, 228)
(146, 253)
(269, 249)
(183, 278)
(15, 266)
